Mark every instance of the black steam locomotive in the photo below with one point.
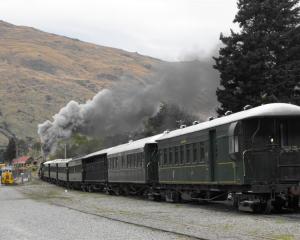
(252, 156)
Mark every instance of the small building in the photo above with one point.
(22, 161)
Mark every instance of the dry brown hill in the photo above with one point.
(41, 72)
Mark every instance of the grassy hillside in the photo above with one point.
(41, 72)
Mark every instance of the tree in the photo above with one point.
(168, 117)
(261, 63)
(10, 152)
(77, 145)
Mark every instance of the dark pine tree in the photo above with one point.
(10, 152)
(169, 117)
(261, 63)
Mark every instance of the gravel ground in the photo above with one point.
(212, 221)
(26, 219)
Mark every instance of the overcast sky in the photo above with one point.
(168, 29)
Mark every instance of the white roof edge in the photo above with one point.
(267, 110)
(58, 161)
(100, 152)
(140, 143)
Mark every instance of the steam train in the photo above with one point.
(252, 156)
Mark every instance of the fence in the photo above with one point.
(22, 175)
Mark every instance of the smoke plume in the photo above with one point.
(124, 107)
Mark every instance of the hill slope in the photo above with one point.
(41, 72)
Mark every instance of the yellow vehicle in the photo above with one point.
(7, 176)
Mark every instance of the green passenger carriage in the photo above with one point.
(253, 154)
(251, 157)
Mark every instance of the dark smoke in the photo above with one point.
(124, 107)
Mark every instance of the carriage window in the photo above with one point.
(130, 160)
(176, 150)
(188, 153)
(133, 160)
(170, 156)
(143, 159)
(160, 157)
(283, 134)
(141, 162)
(123, 161)
(202, 152)
(136, 159)
(181, 154)
(233, 144)
(165, 157)
(233, 137)
(195, 152)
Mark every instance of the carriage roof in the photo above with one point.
(133, 145)
(58, 161)
(267, 110)
(100, 152)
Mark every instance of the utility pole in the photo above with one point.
(65, 151)
(17, 148)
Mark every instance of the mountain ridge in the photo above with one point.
(40, 72)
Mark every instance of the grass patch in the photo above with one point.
(284, 237)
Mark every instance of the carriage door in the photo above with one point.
(212, 154)
(151, 160)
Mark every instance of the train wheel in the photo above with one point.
(90, 188)
(117, 191)
(236, 201)
(267, 209)
(293, 202)
(172, 196)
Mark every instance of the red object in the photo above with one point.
(21, 160)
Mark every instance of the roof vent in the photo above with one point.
(166, 131)
(196, 122)
(247, 107)
(130, 141)
(228, 113)
(210, 118)
(182, 126)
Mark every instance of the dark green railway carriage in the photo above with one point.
(75, 173)
(62, 171)
(45, 171)
(95, 173)
(53, 171)
(255, 154)
(132, 167)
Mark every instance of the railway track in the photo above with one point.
(187, 236)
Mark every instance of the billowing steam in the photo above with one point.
(123, 107)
